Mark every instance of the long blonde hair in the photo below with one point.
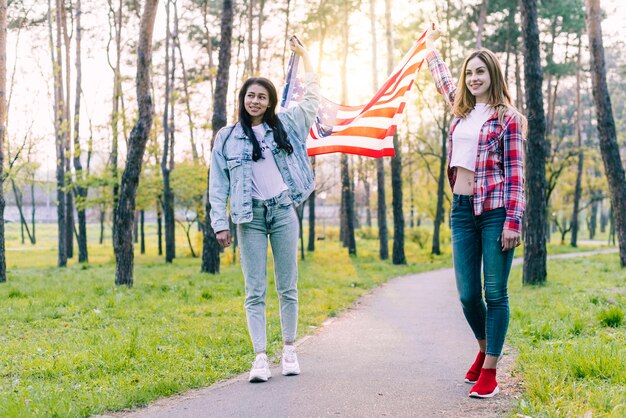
(499, 97)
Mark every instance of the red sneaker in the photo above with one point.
(486, 386)
(472, 374)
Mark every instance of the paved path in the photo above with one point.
(401, 352)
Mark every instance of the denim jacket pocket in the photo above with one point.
(235, 162)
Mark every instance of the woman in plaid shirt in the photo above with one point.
(485, 171)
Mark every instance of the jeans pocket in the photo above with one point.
(454, 205)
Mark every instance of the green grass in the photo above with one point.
(73, 344)
(571, 339)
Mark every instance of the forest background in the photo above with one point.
(351, 63)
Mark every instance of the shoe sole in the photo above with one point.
(488, 395)
(259, 378)
(471, 382)
(291, 372)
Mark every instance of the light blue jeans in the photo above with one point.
(274, 218)
(477, 240)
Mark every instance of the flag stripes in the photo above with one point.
(367, 129)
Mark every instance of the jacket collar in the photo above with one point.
(240, 134)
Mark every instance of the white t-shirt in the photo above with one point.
(267, 182)
(465, 137)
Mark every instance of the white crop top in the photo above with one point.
(465, 137)
(267, 182)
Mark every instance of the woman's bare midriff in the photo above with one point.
(464, 184)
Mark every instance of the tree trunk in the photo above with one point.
(535, 254)
(383, 235)
(210, 246)
(136, 228)
(33, 207)
(102, 217)
(592, 221)
(80, 189)
(192, 141)
(57, 65)
(286, 37)
(3, 112)
(259, 49)
(347, 198)
(19, 202)
(519, 94)
(208, 44)
(481, 23)
(67, 134)
(581, 154)
(441, 183)
(606, 127)
(160, 228)
(311, 200)
(123, 213)
(249, 69)
(117, 94)
(168, 151)
(368, 209)
(397, 256)
(142, 216)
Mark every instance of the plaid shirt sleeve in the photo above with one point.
(514, 199)
(441, 74)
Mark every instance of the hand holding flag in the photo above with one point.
(362, 130)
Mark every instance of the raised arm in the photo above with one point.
(438, 68)
(301, 117)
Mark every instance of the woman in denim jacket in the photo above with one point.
(261, 163)
(485, 170)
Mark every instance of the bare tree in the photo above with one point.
(167, 159)
(59, 129)
(383, 234)
(80, 188)
(69, 199)
(609, 148)
(535, 253)
(115, 35)
(123, 214)
(210, 247)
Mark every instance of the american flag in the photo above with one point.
(361, 130)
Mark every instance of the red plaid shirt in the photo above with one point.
(499, 173)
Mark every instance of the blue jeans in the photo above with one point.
(477, 240)
(276, 218)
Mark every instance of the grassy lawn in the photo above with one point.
(72, 344)
(571, 338)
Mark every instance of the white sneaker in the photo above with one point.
(260, 371)
(290, 361)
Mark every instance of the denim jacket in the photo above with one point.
(231, 159)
